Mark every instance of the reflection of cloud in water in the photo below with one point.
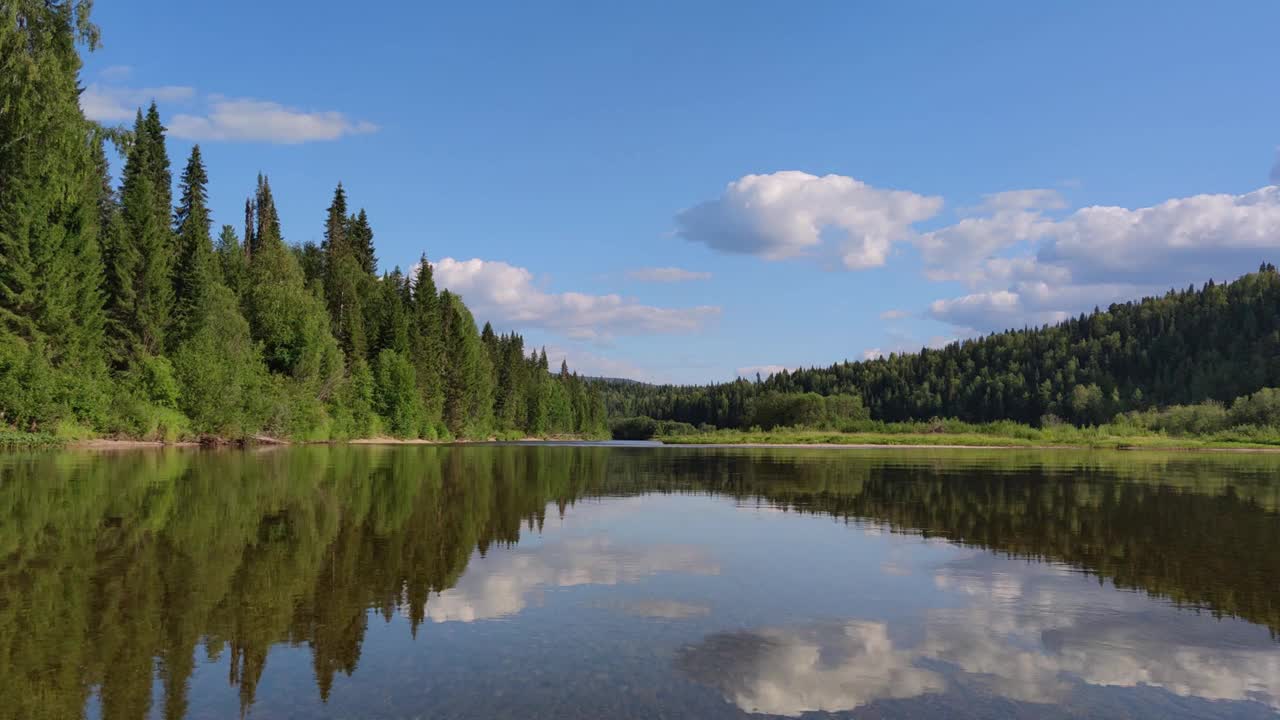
(1034, 634)
(499, 584)
(665, 609)
(793, 671)
(1038, 647)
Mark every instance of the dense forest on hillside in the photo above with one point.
(120, 314)
(1215, 343)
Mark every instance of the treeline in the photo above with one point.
(120, 314)
(1218, 343)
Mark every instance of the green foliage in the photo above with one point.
(352, 409)
(28, 386)
(773, 409)
(194, 272)
(220, 371)
(396, 394)
(467, 384)
(152, 378)
(646, 428)
(118, 313)
(1218, 342)
(636, 428)
(1261, 409)
(139, 255)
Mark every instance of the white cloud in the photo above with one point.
(264, 121)
(214, 117)
(790, 214)
(956, 250)
(1014, 200)
(108, 104)
(667, 275)
(750, 371)
(591, 364)
(895, 314)
(1097, 255)
(115, 73)
(508, 295)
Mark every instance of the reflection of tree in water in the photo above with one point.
(116, 568)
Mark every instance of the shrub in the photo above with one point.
(1261, 409)
(673, 427)
(396, 394)
(635, 428)
(221, 372)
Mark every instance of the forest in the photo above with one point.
(1196, 360)
(121, 315)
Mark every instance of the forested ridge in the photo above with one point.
(1214, 343)
(120, 314)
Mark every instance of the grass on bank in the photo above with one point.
(997, 434)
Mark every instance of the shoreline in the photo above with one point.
(260, 442)
(108, 444)
(925, 446)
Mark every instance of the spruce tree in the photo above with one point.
(346, 284)
(140, 288)
(468, 393)
(232, 263)
(49, 183)
(250, 238)
(151, 135)
(193, 269)
(360, 241)
(426, 347)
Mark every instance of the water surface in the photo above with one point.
(585, 582)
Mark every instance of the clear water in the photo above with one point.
(619, 582)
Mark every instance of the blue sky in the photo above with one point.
(811, 181)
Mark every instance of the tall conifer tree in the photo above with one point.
(193, 269)
(139, 277)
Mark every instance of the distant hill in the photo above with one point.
(617, 381)
(1217, 342)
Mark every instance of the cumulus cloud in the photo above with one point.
(956, 250)
(1028, 268)
(789, 214)
(667, 275)
(108, 104)
(500, 585)
(764, 371)
(264, 121)
(508, 294)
